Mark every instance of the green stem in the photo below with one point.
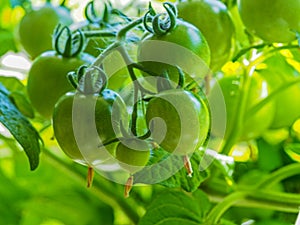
(121, 35)
(274, 196)
(103, 190)
(216, 213)
(106, 52)
(284, 202)
(261, 46)
(279, 175)
(250, 202)
(98, 33)
(240, 113)
(137, 87)
(122, 32)
(271, 96)
(130, 67)
(245, 50)
(257, 196)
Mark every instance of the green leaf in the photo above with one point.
(18, 95)
(7, 41)
(12, 84)
(20, 128)
(202, 198)
(173, 207)
(22, 103)
(168, 168)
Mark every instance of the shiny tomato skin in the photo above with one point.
(213, 19)
(179, 121)
(47, 79)
(271, 20)
(83, 122)
(184, 46)
(36, 28)
(225, 98)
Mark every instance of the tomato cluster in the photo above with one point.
(145, 88)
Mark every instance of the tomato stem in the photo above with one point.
(279, 175)
(98, 33)
(245, 50)
(123, 31)
(263, 199)
(216, 213)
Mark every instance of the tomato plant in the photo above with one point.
(213, 19)
(37, 26)
(271, 21)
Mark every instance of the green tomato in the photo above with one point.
(287, 107)
(184, 46)
(36, 28)
(82, 123)
(224, 98)
(279, 73)
(271, 20)
(212, 18)
(133, 154)
(179, 121)
(47, 79)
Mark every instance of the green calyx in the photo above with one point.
(161, 23)
(88, 81)
(66, 43)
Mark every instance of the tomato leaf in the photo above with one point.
(20, 128)
(12, 84)
(170, 167)
(173, 207)
(18, 95)
(202, 197)
(22, 103)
